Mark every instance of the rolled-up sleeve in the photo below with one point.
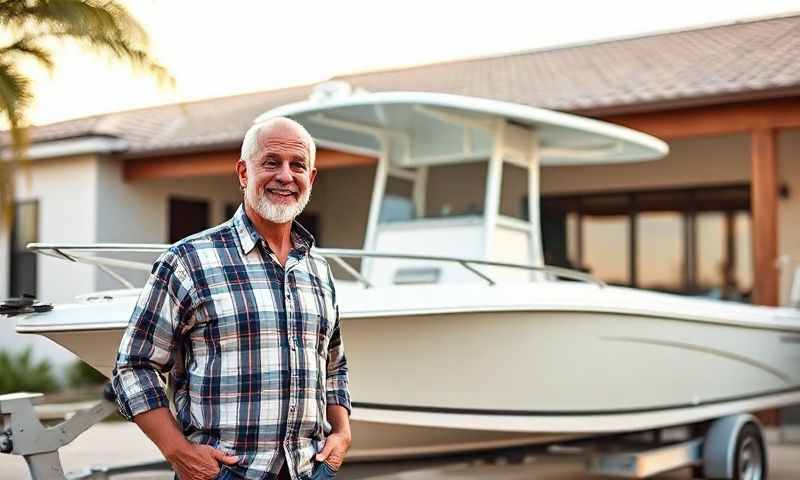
(337, 386)
(148, 346)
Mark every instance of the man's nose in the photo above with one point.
(285, 173)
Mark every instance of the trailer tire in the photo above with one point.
(734, 449)
(750, 460)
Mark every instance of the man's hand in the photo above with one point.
(199, 462)
(190, 461)
(336, 447)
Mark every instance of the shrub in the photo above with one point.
(20, 373)
(81, 374)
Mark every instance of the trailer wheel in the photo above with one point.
(750, 462)
(734, 449)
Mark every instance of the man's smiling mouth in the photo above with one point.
(281, 192)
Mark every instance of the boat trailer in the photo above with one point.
(731, 447)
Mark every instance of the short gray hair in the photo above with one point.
(250, 146)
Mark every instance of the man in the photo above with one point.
(244, 318)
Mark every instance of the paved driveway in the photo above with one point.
(122, 443)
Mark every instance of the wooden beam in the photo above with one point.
(714, 120)
(764, 198)
(180, 166)
(206, 164)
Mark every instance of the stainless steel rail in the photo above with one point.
(68, 252)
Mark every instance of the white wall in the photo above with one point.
(137, 212)
(64, 189)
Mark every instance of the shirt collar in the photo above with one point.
(249, 236)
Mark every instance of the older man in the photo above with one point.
(244, 318)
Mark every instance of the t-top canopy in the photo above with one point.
(421, 127)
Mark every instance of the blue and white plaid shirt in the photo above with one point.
(253, 350)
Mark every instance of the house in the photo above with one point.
(716, 217)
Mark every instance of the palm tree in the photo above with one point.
(100, 26)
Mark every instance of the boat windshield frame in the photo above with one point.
(75, 253)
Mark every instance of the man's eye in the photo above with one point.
(299, 165)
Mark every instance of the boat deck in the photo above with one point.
(123, 443)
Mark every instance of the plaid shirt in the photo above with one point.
(253, 350)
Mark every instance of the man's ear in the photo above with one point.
(313, 175)
(241, 172)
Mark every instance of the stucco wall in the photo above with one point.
(66, 197)
(137, 212)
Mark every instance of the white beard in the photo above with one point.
(277, 213)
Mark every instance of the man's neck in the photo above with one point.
(277, 235)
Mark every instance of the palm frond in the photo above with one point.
(15, 97)
(99, 26)
(28, 47)
(79, 14)
(102, 44)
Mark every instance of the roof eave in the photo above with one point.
(71, 147)
(688, 102)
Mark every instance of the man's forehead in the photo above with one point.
(283, 130)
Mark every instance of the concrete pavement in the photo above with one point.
(123, 443)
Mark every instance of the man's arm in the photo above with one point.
(337, 443)
(337, 394)
(148, 347)
(189, 461)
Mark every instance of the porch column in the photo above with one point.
(764, 198)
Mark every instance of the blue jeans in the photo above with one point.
(323, 471)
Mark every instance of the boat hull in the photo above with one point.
(442, 383)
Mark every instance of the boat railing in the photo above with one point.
(77, 253)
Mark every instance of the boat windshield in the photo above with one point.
(450, 191)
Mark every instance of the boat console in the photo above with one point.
(458, 176)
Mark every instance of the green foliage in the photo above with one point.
(102, 27)
(19, 373)
(81, 374)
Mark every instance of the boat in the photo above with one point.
(459, 337)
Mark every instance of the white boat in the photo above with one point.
(458, 337)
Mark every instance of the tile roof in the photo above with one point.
(701, 66)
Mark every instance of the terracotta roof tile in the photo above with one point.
(646, 72)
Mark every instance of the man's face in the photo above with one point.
(277, 180)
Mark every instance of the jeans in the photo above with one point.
(323, 471)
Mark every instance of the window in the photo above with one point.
(398, 201)
(456, 190)
(24, 230)
(187, 217)
(691, 240)
(514, 192)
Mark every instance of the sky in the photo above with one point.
(225, 48)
